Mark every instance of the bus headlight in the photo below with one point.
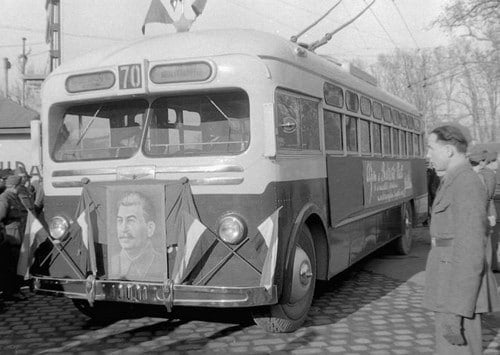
(231, 229)
(58, 226)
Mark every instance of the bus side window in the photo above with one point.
(403, 143)
(333, 130)
(409, 143)
(364, 136)
(351, 134)
(297, 122)
(377, 138)
(395, 141)
(416, 148)
(386, 140)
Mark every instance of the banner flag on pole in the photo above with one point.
(198, 6)
(269, 231)
(34, 235)
(188, 251)
(156, 13)
(83, 213)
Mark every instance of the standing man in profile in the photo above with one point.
(135, 226)
(459, 283)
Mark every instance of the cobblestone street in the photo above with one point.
(362, 311)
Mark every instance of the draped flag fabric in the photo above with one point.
(269, 231)
(34, 235)
(174, 14)
(157, 13)
(198, 6)
(87, 247)
(189, 249)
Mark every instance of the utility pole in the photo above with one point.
(6, 66)
(53, 35)
(24, 60)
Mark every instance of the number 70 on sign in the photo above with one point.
(130, 76)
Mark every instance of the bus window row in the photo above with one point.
(336, 96)
(297, 127)
(365, 137)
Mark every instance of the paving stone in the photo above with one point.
(366, 314)
(336, 349)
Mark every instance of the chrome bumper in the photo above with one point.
(155, 293)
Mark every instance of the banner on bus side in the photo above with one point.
(386, 181)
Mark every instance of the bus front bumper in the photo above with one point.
(156, 293)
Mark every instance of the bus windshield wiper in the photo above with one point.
(218, 108)
(88, 126)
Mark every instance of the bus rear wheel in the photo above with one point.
(402, 245)
(291, 310)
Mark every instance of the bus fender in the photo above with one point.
(307, 211)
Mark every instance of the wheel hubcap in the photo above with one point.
(302, 275)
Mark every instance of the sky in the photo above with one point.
(93, 24)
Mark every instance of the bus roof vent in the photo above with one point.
(359, 73)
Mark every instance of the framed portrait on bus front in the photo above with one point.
(136, 229)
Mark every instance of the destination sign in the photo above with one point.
(92, 81)
(178, 73)
(130, 76)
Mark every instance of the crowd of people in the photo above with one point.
(18, 197)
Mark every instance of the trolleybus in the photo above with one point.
(219, 169)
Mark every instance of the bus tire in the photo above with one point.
(292, 308)
(402, 245)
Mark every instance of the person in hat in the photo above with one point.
(13, 218)
(4, 173)
(459, 286)
(26, 192)
(479, 161)
(492, 160)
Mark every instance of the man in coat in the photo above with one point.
(459, 285)
(13, 217)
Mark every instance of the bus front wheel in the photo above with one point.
(402, 245)
(293, 306)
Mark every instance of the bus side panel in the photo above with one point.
(345, 195)
(293, 196)
(373, 231)
(345, 186)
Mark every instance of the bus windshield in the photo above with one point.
(201, 124)
(97, 131)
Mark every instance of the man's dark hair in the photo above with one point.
(451, 135)
(136, 198)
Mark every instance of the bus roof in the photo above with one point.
(187, 45)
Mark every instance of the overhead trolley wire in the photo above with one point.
(382, 26)
(233, 2)
(356, 26)
(406, 24)
(20, 45)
